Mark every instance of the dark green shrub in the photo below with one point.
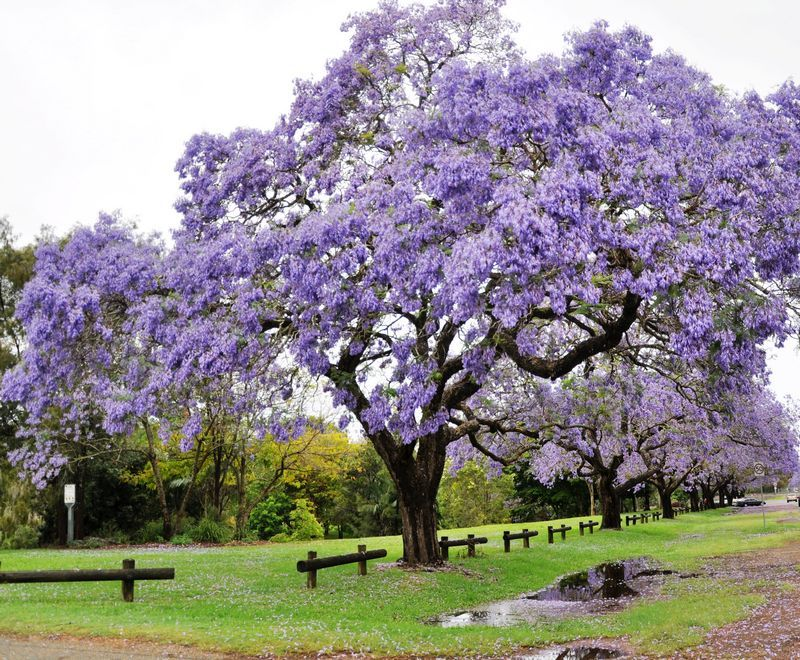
(181, 539)
(209, 530)
(151, 532)
(23, 538)
(90, 543)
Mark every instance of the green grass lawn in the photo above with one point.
(252, 599)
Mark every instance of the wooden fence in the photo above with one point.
(557, 530)
(128, 575)
(471, 541)
(525, 535)
(312, 564)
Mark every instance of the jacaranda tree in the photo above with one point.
(622, 426)
(437, 202)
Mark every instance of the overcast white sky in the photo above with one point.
(97, 97)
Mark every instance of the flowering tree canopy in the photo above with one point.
(437, 202)
(623, 426)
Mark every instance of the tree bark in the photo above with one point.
(417, 478)
(590, 485)
(166, 529)
(610, 503)
(694, 500)
(708, 496)
(665, 496)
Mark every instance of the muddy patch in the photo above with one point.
(573, 653)
(603, 588)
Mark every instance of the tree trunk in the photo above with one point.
(216, 493)
(417, 479)
(242, 512)
(166, 528)
(694, 500)
(646, 495)
(590, 485)
(665, 496)
(609, 503)
(722, 497)
(708, 496)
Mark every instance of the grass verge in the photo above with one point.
(251, 599)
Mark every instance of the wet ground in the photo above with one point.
(770, 631)
(603, 588)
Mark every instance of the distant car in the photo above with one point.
(791, 497)
(748, 501)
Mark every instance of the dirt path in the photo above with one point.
(773, 629)
(98, 648)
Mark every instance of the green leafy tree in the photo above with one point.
(471, 497)
(534, 501)
(303, 524)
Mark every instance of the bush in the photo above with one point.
(283, 537)
(209, 530)
(151, 532)
(90, 543)
(271, 516)
(181, 539)
(112, 534)
(23, 538)
(303, 522)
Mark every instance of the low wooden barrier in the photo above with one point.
(312, 564)
(525, 535)
(588, 525)
(128, 575)
(471, 541)
(631, 519)
(656, 515)
(557, 530)
(644, 517)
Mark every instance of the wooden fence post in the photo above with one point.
(525, 540)
(445, 549)
(549, 533)
(506, 542)
(311, 578)
(362, 565)
(470, 545)
(127, 585)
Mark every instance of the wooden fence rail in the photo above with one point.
(557, 530)
(128, 574)
(313, 564)
(471, 541)
(525, 535)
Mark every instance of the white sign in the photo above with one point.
(759, 469)
(69, 493)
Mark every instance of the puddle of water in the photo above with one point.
(573, 653)
(606, 581)
(603, 588)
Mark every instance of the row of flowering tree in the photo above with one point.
(435, 206)
(622, 427)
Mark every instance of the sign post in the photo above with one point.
(760, 470)
(69, 501)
